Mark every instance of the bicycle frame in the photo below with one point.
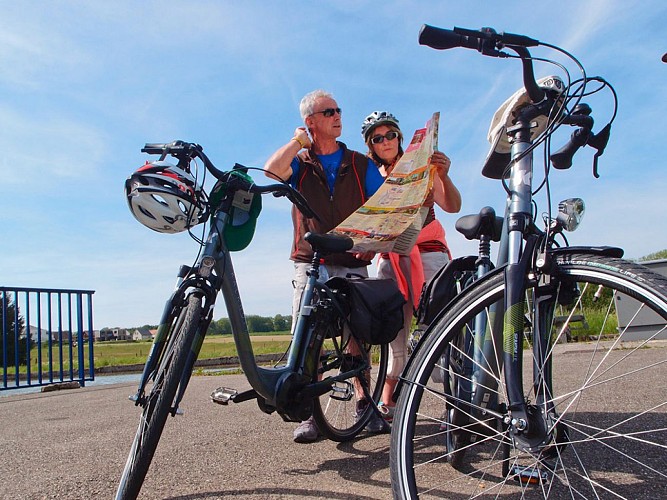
(501, 349)
(498, 340)
(274, 387)
(287, 388)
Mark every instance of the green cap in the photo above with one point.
(246, 207)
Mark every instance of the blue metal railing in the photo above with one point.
(47, 336)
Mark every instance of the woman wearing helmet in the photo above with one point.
(384, 140)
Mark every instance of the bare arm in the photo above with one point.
(445, 193)
(279, 164)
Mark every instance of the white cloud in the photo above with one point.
(43, 147)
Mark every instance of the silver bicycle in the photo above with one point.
(517, 411)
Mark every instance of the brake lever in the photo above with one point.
(301, 203)
(599, 142)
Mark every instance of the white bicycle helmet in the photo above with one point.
(375, 119)
(165, 198)
(506, 114)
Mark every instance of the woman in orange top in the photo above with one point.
(384, 140)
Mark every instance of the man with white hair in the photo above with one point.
(335, 181)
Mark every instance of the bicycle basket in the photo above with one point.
(375, 305)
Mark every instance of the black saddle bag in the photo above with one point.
(375, 307)
(443, 287)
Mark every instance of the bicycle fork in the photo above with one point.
(528, 424)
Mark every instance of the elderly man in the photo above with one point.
(335, 181)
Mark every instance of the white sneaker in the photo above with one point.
(306, 432)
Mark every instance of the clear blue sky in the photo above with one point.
(83, 85)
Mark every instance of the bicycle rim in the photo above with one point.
(609, 418)
(336, 412)
(159, 399)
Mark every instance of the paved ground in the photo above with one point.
(72, 444)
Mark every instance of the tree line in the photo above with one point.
(256, 324)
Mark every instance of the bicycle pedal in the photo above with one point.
(223, 395)
(342, 391)
(528, 474)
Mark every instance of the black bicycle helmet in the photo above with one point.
(165, 198)
(375, 119)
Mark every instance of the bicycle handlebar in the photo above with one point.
(289, 192)
(185, 151)
(488, 42)
(482, 39)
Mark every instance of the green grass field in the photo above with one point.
(121, 353)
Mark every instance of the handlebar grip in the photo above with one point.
(520, 40)
(562, 159)
(154, 148)
(443, 39)
(483, 40)
(170, 147)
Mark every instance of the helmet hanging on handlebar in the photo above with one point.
(506, 113)
(165, 198)
(498, 157)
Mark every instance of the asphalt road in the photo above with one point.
(72, 444)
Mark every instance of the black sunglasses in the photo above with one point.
(329, 112)
(379, 139)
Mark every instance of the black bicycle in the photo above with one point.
(493, 401)
(328, 368)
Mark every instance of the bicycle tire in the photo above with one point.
(159, 399)
(335, 412)
(611, 430)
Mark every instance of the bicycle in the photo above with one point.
(326, 370)
(574, 429)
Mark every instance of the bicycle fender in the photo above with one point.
(606, 251)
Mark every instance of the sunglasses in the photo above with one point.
(329, 112)
(379, 139)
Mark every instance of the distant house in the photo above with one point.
(37, 333)
(122, 334)
(106, 334)
(141, 334)
(42, 334)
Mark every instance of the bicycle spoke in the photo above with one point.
(604, 421)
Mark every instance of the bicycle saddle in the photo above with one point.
(329, 243)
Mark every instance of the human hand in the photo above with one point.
(301, 136)
(365, 255)
(441, 162)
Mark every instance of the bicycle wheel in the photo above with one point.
(602, 399)
(159, 399)
(337, 413)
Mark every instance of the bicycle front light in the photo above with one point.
(570, 213)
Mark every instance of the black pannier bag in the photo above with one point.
(443, 287)
(375, 307)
